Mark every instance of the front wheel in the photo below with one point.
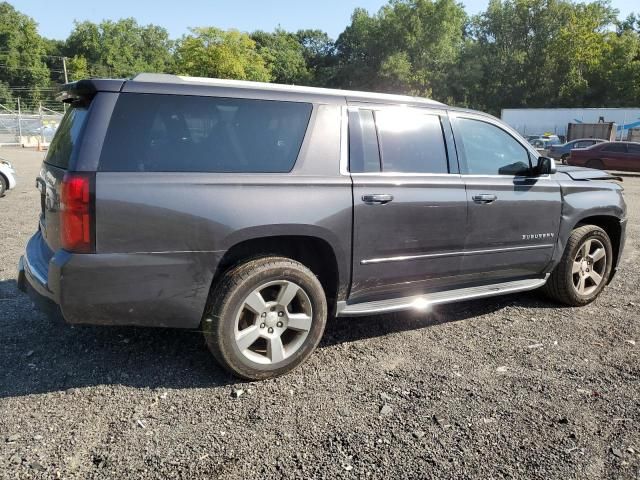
(584, 269)
(266, 316)
(563, 159)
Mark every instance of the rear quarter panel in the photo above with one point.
(161, 235)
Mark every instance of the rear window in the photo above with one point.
(66, 137)
(171, 133)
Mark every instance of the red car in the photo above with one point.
(622, 156)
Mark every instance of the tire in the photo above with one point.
(595, 163)
(4, 185)
(564, 284)
(563, 159)
(237, 314)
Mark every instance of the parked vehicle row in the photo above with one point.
(561, 152)
(254, 211)
(620, 156)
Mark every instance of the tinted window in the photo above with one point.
(633, 147)
(489, 150)
(615, 147)
(171, 133)
(363, 143)
(411, 142)
(66, 137)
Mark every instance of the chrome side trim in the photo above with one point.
(424, 302)
(465, 253)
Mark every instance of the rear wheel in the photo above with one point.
(4, 185)
(584, 269)
(266, 316)
(595, 163)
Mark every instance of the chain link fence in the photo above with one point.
(28, 129)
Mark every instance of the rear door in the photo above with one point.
(614, 156)
(60, 156)
(513, 218)
(633, 160)
(409, 202)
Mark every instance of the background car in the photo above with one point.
(7, 176)
(561, 152)
(622, 156)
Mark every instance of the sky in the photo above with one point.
(55, 18)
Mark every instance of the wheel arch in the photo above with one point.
(315, 252)
(611, 225)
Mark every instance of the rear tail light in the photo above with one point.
(77, 213)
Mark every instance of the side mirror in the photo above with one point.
(545, 166)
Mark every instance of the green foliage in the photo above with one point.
(517, 53)
(21, 51)
(6, 97)
(120, 49)
(319, 55)
(211, 52)
(283, 55)
(409, 46)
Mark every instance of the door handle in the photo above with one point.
(377, 198)
(484, 198)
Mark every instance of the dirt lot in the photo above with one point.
(511, 387)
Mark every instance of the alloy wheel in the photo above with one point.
(273, 322)
(589, 266)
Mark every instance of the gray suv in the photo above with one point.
(253, 212)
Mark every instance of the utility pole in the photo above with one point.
(19, 124)
(64, 67)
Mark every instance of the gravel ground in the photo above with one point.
(510, 387)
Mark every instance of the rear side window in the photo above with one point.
(411, 142)
(66, 137)
(615, 147)
(171, 133)
(633, 147)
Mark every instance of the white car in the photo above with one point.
(7, 176)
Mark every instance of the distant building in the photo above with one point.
(532, 121)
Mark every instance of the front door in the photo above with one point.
(513, 217)
(409, 199)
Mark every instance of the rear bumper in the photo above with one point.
(168, 289)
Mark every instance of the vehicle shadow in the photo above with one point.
(351, 329)
(39, 355)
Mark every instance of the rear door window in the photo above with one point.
(172, 133)
(364, 156)
(411, 142)
(634, 148)
(615, 147)
(66, 137)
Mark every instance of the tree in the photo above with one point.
(120, 49)
(212, 52)
(283, 55)
(318, 51)
(77, 68)
(409, 46)
(21, 56)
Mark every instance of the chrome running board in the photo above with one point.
(424, 302)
